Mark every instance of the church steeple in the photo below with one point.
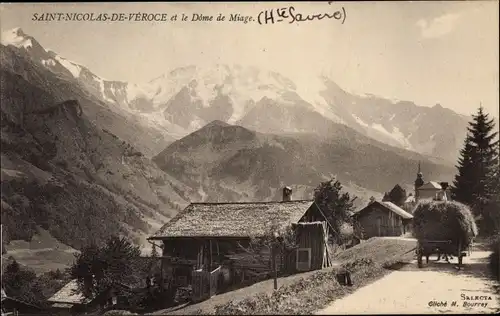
(419, 181)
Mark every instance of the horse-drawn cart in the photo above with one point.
(443, 228)
(426, 248)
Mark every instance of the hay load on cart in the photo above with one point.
(443, 227)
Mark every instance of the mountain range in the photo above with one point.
(185, 99)
(230, 162)
(84, 157)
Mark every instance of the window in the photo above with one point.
(303, 259)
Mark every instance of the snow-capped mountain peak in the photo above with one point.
(186, 98)
(108, 91)
(72, 67)
(16, 37)
(206, 83)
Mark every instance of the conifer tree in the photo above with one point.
(477, 179)
(464, 183)
(397, 195)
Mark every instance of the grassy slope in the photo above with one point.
(383, 249)
(307, 292)
(42, 253)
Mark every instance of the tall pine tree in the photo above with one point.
(477, 179)
(465, 181)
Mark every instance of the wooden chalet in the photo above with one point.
(381, 218)
(204, 245)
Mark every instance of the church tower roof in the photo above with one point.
(420, 177)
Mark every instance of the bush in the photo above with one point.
(346, 234)
(493, 259)
(443, 220)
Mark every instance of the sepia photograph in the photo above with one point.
(250, 158)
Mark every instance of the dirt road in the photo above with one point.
(436, 288)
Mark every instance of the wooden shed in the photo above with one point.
(202, 245)
(381, 218)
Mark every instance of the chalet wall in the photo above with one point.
(182, 255)
(313, 236)
(427, 194)
(378, 221)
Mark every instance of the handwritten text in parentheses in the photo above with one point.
(290, 15)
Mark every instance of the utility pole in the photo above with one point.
(275, 269)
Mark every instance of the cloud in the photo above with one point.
(439, 26)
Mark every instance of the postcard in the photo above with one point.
(234, 158)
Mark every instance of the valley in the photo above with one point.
(84, 157)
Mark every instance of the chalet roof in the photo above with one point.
(232, 219)
(396, 209)
(431, 185)
(389, 206)
(69, 294)
(6, 299)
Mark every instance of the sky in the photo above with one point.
(428, 52)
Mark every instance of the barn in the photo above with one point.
(205, 245)
(382, 218)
